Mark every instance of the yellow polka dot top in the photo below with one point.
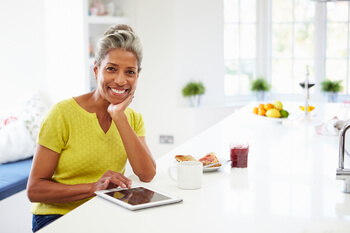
(86, 151)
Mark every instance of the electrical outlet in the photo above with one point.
(166, 139)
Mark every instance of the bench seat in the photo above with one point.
(14, 177)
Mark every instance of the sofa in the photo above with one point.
(18, 133)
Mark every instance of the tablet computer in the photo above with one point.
(138, 197)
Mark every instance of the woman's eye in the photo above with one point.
(131, 72)
(110, 69)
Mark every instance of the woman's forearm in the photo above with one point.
(47, 191)
(139, 155)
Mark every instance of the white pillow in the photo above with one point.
(16, 142)
(32, 112)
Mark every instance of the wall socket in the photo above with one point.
(166, 139)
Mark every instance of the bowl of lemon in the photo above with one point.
(273, 111)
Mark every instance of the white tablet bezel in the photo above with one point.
(172, 199)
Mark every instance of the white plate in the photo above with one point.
(211, 169)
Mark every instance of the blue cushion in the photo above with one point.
(13, 177)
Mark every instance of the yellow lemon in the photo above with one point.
(309, 108)
(274, 113)
(278, 105)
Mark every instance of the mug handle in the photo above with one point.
(170, 173)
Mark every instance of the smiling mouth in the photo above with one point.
(119, 91)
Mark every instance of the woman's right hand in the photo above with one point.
(111, 180)
(41, 188)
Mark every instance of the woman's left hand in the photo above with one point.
(136, 148)
(115, 109)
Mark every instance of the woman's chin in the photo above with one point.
(116, 101)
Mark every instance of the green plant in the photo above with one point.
(260, 84)
(193, 88)
(331, 86)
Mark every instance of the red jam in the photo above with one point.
(239, 155)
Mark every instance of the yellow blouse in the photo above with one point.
(86, 151)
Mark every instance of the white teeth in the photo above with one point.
(118, 92)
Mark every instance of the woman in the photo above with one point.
(85, 141)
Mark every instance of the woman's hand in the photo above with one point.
(41, 188)
(115, 109)
(136, 148)
(111, 180)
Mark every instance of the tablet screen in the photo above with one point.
(137, 196)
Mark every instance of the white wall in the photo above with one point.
(199, 47)
(64, 25)
(183, 41)
(156, 95)
(22, 50)
(30, 58)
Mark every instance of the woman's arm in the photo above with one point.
(41, 188)
(139, 154)
(136, 148)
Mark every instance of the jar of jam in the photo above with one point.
(239, 155)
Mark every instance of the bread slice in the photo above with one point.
(181, 158)
(210, 158)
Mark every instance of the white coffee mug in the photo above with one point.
(189, 174)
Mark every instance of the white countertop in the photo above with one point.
(289, 186)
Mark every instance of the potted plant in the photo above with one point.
(260, 86)
(193, 91)
(332, 88)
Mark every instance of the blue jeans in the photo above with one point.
(39, 221)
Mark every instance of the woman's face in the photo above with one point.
(117, 76)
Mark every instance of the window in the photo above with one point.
(294, 34)
(292, 40)
(240, 45)
(337, 52)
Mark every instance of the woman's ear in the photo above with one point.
(138, 72)
(95, 70)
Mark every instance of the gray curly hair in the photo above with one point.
(119, 36)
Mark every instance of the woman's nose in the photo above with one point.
(120, 79)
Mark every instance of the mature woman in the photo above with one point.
(85, 141)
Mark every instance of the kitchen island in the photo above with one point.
(289, 186)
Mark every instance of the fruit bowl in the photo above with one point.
(273, 112)
(270, 119)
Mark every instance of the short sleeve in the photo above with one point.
(136, 121)
(53, 131)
